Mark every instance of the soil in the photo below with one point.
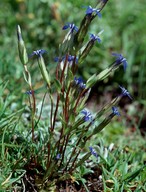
(93, 183)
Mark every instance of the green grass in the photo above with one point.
(122, 166)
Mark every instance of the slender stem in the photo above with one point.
(74, 65)
(58, 142)
(57, 71)
(67, 103)
(79, 97)
(33, 103)
(49, 159)
(51, 113)
(66, 115)
(103, 5)
(65, 142)
(41, 110)
(73, 152)
(65, 108)
(55, 113)
(77, 144)
(73, 163)
(33, 112)
(58, 96)
(50, 130)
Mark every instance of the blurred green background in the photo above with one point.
(41, 22)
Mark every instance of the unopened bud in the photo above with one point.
(43, 70)
(21, 47)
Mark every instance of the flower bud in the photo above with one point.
(21, 47)
(43, 70)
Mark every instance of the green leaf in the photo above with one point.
(84, 158)
(58, 85)
(102, 125)
(130, 176)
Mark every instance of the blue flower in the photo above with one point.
(56, 59)
(70, 58)
(38, 52)
(115, 111)
(91, 10)
(95, 38)
(71, 26)
(58, 156)
(87, 115)
(125, 92)
(93, 152)
(120, 59)
(29, 92)
(79, 81)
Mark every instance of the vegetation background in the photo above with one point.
(42, 20)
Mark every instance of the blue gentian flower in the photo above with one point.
(70, 58)
(71, 26)
(87, 115)
(125, 92)
(38, 52)
(91, 10)
(95, 38)
(56, 59)
(58, 156)
(93, 152)
(115, 111)
(120, 59)
(29, 92)
(79, 81)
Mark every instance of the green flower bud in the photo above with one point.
(21, 47)
(43, 70)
